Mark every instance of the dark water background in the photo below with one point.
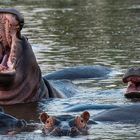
(66, 33)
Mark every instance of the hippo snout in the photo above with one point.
(65, 131)
(74, 132)
(65, 128)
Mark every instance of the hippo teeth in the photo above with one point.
(11, 62)
(129, 83)
(133, 88)
(7, 63)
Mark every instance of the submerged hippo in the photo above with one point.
(132, 77)
(65, 125)
(20, 75)
(111, 113)
(9, 123)
(122, 114)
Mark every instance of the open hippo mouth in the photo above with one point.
(11, 23)
(132, 77)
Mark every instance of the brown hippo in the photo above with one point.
(65, 125)
(20, 75)
(132, 77)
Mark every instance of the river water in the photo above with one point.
(66, 33)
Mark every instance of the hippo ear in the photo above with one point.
(43, 117)
(85, 115)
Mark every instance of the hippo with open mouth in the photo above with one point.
(65, 125)
(132, 77)
(20, 75)
(20, 79)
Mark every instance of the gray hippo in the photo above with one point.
(20, 76)
(9, 123)
(122, 114)
(65, 125)
(111, 113)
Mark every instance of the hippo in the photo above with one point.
(132, 77)
(122, 114)
(112, 113)
(88, 106)
(65, 125)
(21, 80)
(9, 123)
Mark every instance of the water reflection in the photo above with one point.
(27, 111)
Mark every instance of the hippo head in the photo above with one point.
(132, 77)
(9, 123)
(65, 125)
(20, 75)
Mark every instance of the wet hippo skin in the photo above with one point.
(65, 125)
(20, 76)
(132, 78)
(111, 113)
(9, 123)
(123, 114)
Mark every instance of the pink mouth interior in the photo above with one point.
(3, 63)
(9, 28)
(133, 85)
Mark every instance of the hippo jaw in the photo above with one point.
(132, 78)
(9, 34)
(65, 127)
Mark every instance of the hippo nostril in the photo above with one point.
(74, 132)
(21, 123)
(65, 132)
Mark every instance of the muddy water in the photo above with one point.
(66, 33)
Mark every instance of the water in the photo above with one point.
(66, 33)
